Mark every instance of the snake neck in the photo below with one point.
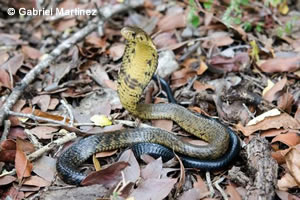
(138, 66)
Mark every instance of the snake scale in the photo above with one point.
(138, 66)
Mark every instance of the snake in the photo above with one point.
(139, 63)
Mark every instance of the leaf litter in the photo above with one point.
(224, 66)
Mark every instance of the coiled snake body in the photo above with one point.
(138, 66)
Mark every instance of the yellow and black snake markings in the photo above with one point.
(138, 66)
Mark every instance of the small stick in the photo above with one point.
(208, 179)
(68, 137)
(33, 139)
(7, 125)
(68, 108)
(223, 193)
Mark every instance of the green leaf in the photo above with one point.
(193, 18)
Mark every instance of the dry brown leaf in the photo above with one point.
(203, 67)
(172, 21)
(106, 153)
(285, 102)
(22, 165)
(233, 193)
(237, 63)
(272, 132)
(106, 176)
(218, 39)
(163, 124)
(152, 170)
(297, 114)
(5, 180)
(13, 64)
(31, 52)
(293, 162)
(283, 195)
(280, 121)
(116, 51)
(191, 194)
(43, 132)
(156, 189)
(281, 64)
(199, 86)
(43, 101)
(290, 139)
(132, 172)
(45, 167)
(62, 25)
(286, 182)
(272, 94)
(4, 79)
(164, 40)
(201, 185)
(53, 103)
(3, 58)
(279, 155)
(36, 181)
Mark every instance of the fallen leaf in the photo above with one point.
(285, 102)
(293, 162)
(31, 52)
(290, 139)
(5, 180)
(281, 64)
(63, 25)
(53, 103)
(105, 176)
(132, 172)
(279, 155)
(218, 39)
(238, 63)
(22, 165)
(273, 132)
(164, 40)
(45, 167)
(152, 170)
(116, 51)
(4, 79)
(191, 194)
(283, 195)
(101, 120)
(233, 193)
(36, 181)
(259, 118)
(106, 153)
(172, 21)
(13, 64)
(199, 86)
(43, 132)
(280, 121)
(270, 84)
(43, 101)
(272, 94)
(286, 182)
(156, 189)
(163, 124)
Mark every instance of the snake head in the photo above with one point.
(136, 34)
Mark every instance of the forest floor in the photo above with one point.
(238, 61)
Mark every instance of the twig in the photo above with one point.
(223, 193)
(68, 137)
(68, 108)
(46, 59)
(6, 130)
(132, 124)
(33, 139)
(208, 179)
(36, 118)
